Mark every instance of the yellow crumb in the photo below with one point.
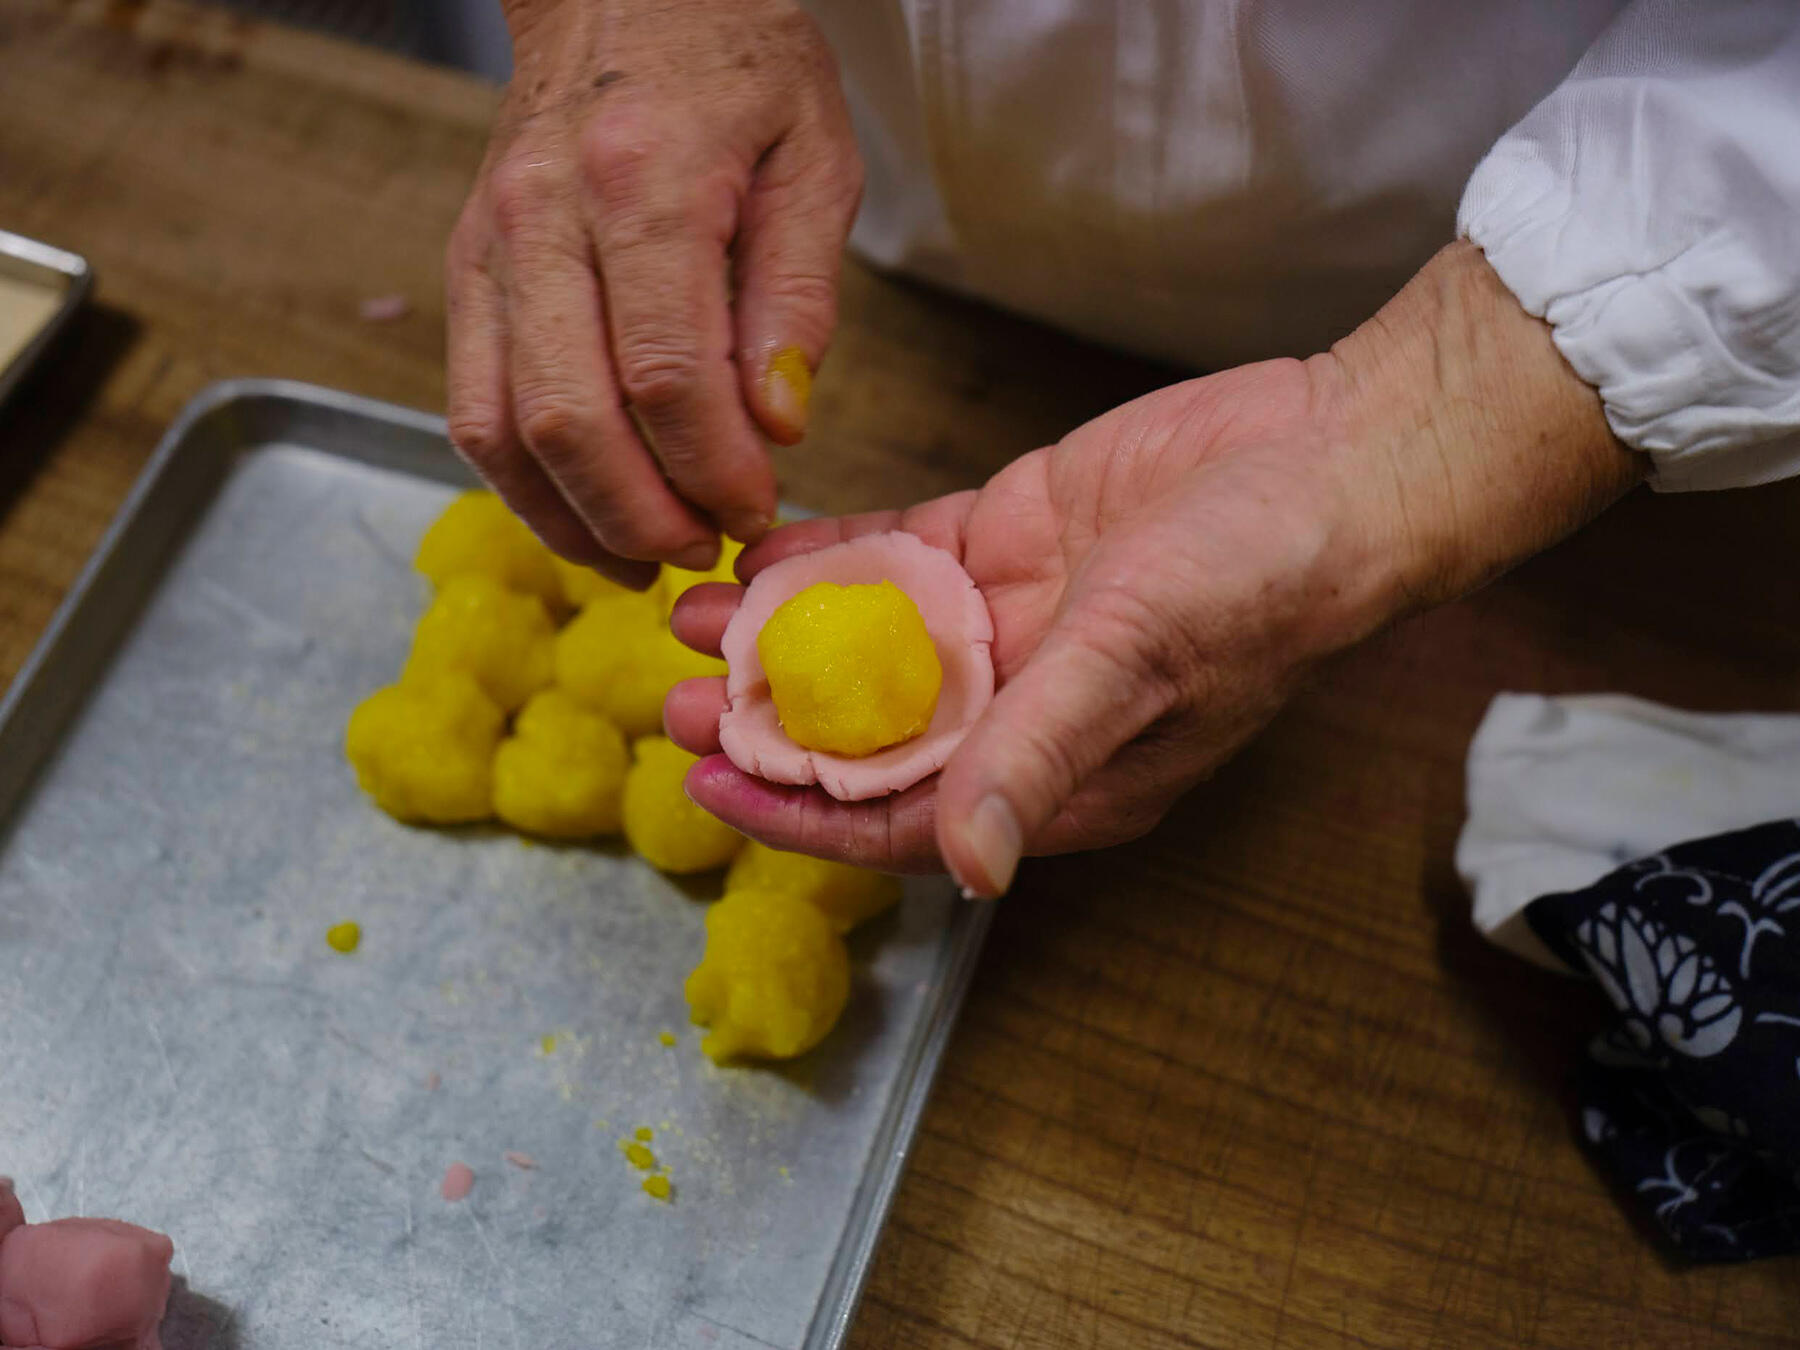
(643, 1133)
(657, 1187)
(637, 1155)
(667, 1038)
(344, 937)
(548, 1045)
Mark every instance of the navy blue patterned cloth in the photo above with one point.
(1690, 1099)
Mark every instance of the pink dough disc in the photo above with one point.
(955, 615)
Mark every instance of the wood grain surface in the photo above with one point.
(1249, 1082)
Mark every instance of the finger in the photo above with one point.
(1075, 702)
(565, 403)
(700, 615)
(662, 234)
(479, 414)
(691, 714)
(939, 522)
(891, 834)
(789, 255)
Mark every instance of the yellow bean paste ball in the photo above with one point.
(478, 533)
(851, 669)
(424, 748)
(503, 638)
(561, 773)
(773, 980)
(846, 895)
(668, 830)
(619, 657)
(583, 585)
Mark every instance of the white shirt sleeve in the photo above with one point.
(1649, 209)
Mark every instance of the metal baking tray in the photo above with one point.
(66, 275)
(179, 1046)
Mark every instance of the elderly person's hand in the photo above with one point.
(645, 274)
(1166, 576)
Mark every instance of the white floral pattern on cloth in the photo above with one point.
(1774, 893)
(1661, 981)
(1690, 1096)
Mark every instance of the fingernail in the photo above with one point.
(698, 557)
(748, 526)
(788, 387)
(994, 837)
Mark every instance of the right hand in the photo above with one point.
(645, 274)
(1167, 575)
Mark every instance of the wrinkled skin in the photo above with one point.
(1155, 581)
(660, 216)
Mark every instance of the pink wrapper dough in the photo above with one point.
(75, 1284)
(955, 615)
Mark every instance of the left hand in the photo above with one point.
(1166, 576)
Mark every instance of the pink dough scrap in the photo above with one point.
(74, 1284)
(459, 1180)
(955, 615)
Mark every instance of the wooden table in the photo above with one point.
(1251, 1082)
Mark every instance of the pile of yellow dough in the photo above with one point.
(533, 694)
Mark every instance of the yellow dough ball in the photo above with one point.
(424, 748)
(583, 585)
(851, 669)
(675, 581)
(561, 773)
(668, 830)
(845, 895)
(773, 980)
(503, 638)
(619, 657)
(478, 533)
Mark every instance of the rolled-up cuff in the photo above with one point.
(1672, 350)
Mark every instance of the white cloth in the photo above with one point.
(1214, 181)
(1563, 790)
(1650, 209)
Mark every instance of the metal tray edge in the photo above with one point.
(16, 773)
(80, 273)
(849, 1273)
(210, 398)
(208, 401)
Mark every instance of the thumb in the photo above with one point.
(1076, 701)
(789, 255)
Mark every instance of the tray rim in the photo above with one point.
(78, 276)
(960, 946)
